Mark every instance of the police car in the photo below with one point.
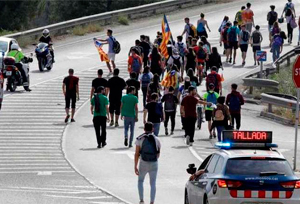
(245, 170)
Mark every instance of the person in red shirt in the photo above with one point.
(134, 63)
(235, 100)
(71, 92)
(247, 16)
(215, 79)
(188, 112)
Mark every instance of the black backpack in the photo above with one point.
(245, 36)
(148, 150)
(116, 46)
(272, 17)
(256, 36)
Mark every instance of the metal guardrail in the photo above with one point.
(287, 57)
(105, 18)
(280, 100)
(256, 82)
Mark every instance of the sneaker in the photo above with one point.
(254, 63)
(110, 73)
(172, 133)
(233, 62)
(111, 123)
(187, 140)
(142, 202)
(104, 144)
(67, 118)
(243, 64)
(99, 146)
(166, 131)
(214, 134)
(130, 146)
(191, 144)
(230, 59)
(116, 124)
(72, 120)
(126, 142)
(210, 137)
(258, 63)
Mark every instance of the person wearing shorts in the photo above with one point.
(111, 54)
(232, 36)
(115, 87)
(256, 39)
(71, 92)
(243, 42)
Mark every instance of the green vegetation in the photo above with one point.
(286, 84)
(90, 28)
(123, 20)
(24, 15)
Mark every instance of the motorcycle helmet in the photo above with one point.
(14, 47)
(46, 32)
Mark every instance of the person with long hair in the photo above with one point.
(191, 60)
(155, 62)
(215, 59)
(145, 79)
(275, 30)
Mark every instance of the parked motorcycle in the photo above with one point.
(44, 57)
(13, 74)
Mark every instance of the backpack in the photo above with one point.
(97, 103)
(245, 36)
(219, 114)
(148, 150)
(212, 78)
(288, 6)
(272, 17)
(234, 103)
(239, 17)
(211, 97)
(177, 62)
(201, 54)
(232, 34)
(256, 37)
(277, 40)
(200, 27)
(158, 109)
(146, 79)
(224, 35)
(135, 67)
(116, 46)
(193, 30)
(181, 49)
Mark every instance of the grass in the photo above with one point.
(6, 32)
(123, 20)
(90, 28)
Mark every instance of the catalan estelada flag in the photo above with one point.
(170, 79)
(103, 55)
(166, 35)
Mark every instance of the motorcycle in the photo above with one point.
(44, 56)
(13, 74)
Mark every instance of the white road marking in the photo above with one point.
(130, 154)
(32, 172)
(195, 154)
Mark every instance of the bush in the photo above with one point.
(123, 20)
(90, 28)
(6, 32)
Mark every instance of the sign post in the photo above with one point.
(261, 56)
(296, 79)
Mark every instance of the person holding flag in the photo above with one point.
(166, 36)
(103, 55)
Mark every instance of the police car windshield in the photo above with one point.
(248, 166)
(3, 46)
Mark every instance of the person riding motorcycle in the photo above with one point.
(19, 56)
(45, 38)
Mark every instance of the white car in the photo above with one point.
(241, 175)
(5, 47)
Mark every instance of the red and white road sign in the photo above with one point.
(296, 72)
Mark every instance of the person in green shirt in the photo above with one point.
(129, 112)
(99, 109)
(210, 96)
(18, 55)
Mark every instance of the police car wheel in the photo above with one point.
(186, 198)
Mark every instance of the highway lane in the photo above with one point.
(112, 167)
(111, 170)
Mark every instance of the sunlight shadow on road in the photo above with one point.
(88, 126)
(180, 147)
(89, 149)
(119, 149)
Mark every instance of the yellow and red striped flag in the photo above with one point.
(166, 35)
(103, 55)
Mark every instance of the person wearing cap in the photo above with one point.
(212, 97)
(272, 18)
(188, 112)
(100, 111)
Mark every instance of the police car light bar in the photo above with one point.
(246, 139)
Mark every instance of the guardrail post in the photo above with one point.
(277, 67)
(270, 110)
(288, 61)
(251, 90)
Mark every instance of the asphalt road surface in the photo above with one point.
(35, 140)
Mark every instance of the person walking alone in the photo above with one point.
(147, 153)
(99, 109)
(235, 100)
(71, 92)
(129, 112)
